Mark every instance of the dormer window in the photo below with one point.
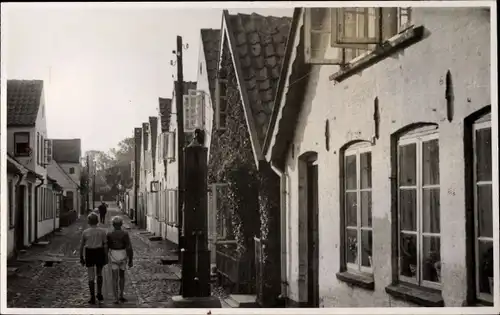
(22, 144)
(338, 35)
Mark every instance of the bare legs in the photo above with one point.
(118, 276)
(122, 284)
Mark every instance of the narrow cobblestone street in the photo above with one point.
(149, 283)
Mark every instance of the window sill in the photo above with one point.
(418, 295)
(398, 42)
(362, 281)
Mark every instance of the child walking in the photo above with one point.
(93, 250)
(120, 251)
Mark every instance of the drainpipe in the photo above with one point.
(36, 207)
(283, 230)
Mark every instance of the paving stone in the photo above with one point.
(65, 284)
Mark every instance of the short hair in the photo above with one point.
(93, 219)
(117, 221)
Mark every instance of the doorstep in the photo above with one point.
(242, 301)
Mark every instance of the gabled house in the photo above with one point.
(252, 50)
(383, 142)
(135, 205)
(143, 175)
(28, 143)
(70, 189)
(170, 144)
(67, 154)
(152, 184)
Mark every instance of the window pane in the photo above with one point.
(366, 208)
(366, 170)
(408, 255)
(431, 268)
(222, 104)
(350, 23)
(352, 246)
(485, 266)
(22, 138)
(407, 209)
(484, 210)
(320, 19)
(222, 120)
(407, 165)
(483, 154)
(351, 206)
(350, 172)
(430, 162)
(366, 245)
(319, 42)
(431, 210)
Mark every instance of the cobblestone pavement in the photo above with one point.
(64, 285)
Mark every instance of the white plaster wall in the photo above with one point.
(172, 180)
(410, 89)
(45, 227)
(78, 171)
(202, 85)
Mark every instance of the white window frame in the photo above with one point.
(47, 151)
(357, 150)
(417, 137)
(482, 123)
(194, 107)
(336, 54)
(218, 111)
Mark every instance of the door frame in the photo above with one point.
(309, 216)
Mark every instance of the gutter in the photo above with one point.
(283, 220)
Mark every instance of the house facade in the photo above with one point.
(67, 155)
(28, 143)
(383, 144)
(252, 50)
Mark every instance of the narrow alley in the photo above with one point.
(50, 275)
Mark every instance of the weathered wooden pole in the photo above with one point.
(195, 253)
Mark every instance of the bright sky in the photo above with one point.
(104, 65)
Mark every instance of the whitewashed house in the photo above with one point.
(67, 155)
(28, 144)
(382, 138)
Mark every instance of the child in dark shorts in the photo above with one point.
(93, 254)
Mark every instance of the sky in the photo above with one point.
(104, 65)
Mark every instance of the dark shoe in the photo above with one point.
(92, 300)
(123, 300)
(100, 297)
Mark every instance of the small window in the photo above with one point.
(223, 215)
(419, 208)
(72, 170)
(358, 208)
(22, 144)
(201, 68)
(221, 105)
(483, 208)
(338, 35)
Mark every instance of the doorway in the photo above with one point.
(312, 235)
(20, 202)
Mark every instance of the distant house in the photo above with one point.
(71, 190)
(28, 143)
(246, 194)
(385, 146)
(67, 154)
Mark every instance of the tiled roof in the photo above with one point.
(259, 45)
(67, 150)
(165, 111)
(23, 101)
(211, 45)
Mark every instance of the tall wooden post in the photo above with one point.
(179, 91)
(195, 253)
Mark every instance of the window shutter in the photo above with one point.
(389, 22)
(187, 107)
(171, 146)
(220, 112)
(200, 109)
(318, 30)
(48, 151)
